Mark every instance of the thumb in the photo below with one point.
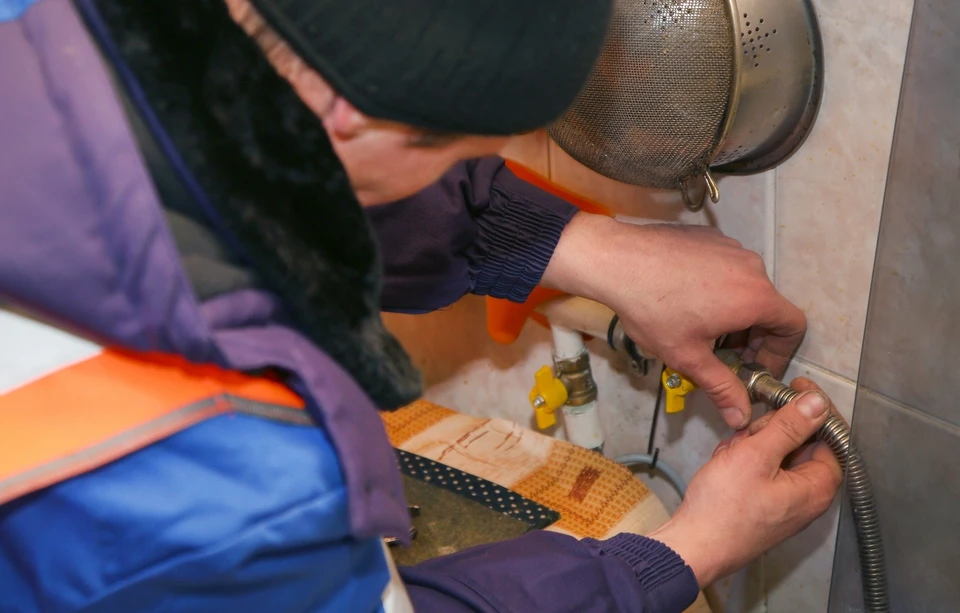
(723, 388)
(792, 426)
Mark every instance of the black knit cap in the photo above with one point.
(463, 66)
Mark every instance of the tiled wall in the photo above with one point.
(814, 220)
(907, 416)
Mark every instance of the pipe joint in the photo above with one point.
(577, 377)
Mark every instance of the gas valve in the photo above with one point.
(676, 387)
(548, 395)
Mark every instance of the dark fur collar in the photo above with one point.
(277, 188)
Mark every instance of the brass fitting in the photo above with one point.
(572, 386)
(577, 377)
(761, 385)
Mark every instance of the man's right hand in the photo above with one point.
(677, 289)
(762, 486)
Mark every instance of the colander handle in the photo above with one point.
(695, 204)
(712, 188)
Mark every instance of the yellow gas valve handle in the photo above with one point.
(676, 387)
(548, 395)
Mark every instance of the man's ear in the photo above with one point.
(345, 121)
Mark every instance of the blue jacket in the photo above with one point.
(240, 514)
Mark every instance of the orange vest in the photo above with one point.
(68, 406)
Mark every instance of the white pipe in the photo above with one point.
(567, 343)
(582, 424)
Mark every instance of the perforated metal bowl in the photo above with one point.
(683, 86)
(781, 81)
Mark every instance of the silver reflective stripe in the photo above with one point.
(272, 412)
(109, 450)
(137, 438)
(395, 598)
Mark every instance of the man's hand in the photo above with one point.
(677, 289)
(762, 486)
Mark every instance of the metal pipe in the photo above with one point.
(764, 387)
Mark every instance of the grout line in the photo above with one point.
(770, 224)
(824, 370)
(898, 404)
(941, 423)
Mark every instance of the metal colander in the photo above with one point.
(677, 78)
(654, 108)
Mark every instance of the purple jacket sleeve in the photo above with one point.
(479, 229)
(547, 571)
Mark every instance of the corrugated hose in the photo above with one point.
(764, 387)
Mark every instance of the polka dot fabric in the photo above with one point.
(477, 489)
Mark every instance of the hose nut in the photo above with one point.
(749, 374)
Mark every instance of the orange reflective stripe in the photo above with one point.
(102, 408)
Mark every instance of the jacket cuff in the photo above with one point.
(517, 236)
(666, 579)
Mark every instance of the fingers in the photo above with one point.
(798, 457)
(791, 426)
(822, 477)
(821, 452)
(782, 330)
(759, 424)
(722, 387)
(738, 436)
(754, 343)
(802, 384)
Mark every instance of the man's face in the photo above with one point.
(383, 159)
(387, 161)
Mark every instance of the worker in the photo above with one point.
(192, 196)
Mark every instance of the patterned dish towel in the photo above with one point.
(595, 496)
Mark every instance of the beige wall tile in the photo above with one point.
(745, 212)
(830, 193)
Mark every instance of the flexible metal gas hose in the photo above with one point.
(764, 387)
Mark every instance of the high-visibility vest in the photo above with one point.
(68, 406)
